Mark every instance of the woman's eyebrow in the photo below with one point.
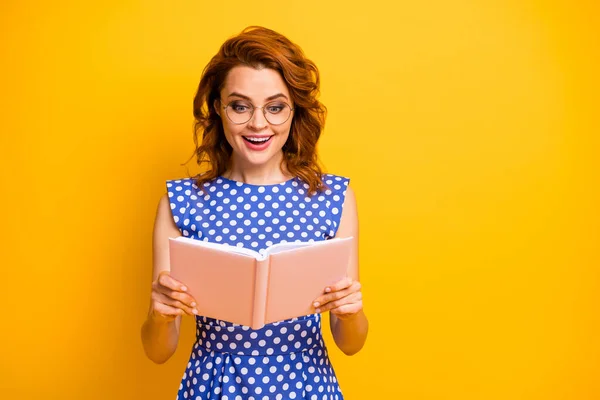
(275, 96)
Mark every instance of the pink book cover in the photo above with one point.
(244, 287)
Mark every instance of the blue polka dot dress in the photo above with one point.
(283, 360)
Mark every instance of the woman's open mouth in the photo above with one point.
(257, 142)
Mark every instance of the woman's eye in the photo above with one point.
(240, 108)
(274, 109)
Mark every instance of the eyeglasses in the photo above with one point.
(276, 112)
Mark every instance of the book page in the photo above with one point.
(281, 247)
(298, 276)
(221, 282)
(222, 247)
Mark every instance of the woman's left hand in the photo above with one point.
(343, 299)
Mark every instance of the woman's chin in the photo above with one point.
(257, 158)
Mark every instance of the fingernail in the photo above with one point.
(316, 304)
(327, 290)
(183, 288)
(195, 311)
(318, 310)
(193, 304)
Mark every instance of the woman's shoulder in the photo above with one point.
(180, 182)
(332, 176)
(180, 191)
(334, 182)
(189, 184)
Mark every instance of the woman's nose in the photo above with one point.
(258, 120)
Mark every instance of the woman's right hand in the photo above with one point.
(170, 299)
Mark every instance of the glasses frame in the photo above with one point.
(263, 111)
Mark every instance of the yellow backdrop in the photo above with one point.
(468, 130)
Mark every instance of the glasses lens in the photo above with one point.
(277, 113)
(239, 112)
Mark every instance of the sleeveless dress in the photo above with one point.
(283, 360)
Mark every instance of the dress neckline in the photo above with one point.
(239, 183)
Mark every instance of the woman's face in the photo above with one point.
(255, 142)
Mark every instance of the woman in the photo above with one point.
(260, 121)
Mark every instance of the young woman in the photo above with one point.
(258, 121)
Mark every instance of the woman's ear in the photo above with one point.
(217, 106)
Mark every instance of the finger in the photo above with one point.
(166, 300)
(170, 286)
(326, 298)
(185, 298)
(350, 299)
(165, 312)
(339, 285)
(347, 310)
(166, 280)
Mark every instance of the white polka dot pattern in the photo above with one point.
(283, 360)
(255, 216)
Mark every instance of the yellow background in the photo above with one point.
(468, 130)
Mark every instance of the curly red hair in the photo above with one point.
(259, 47)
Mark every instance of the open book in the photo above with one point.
(245, 287)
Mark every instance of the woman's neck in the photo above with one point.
(270, 173)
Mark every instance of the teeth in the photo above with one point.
(258, 140)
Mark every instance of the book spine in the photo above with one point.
(260, 293)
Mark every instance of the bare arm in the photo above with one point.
(348, 322)
(160, 331)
